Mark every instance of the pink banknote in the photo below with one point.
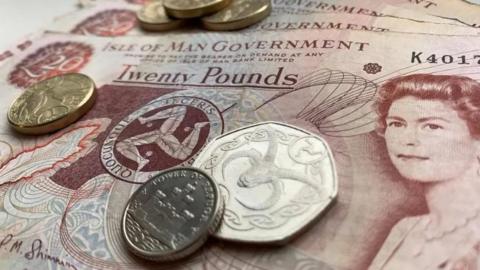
(399, 111)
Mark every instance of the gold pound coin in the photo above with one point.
(52, 104)
(239, 14)
(152, 17)
(185, 9)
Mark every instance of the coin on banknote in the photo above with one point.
(172, 214)
(276, 179)
(239, 14)
(52, 104)
(184, 9)
(152, 17)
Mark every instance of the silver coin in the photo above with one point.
(171, 215)
(276, 180)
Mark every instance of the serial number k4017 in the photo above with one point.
(459, 59)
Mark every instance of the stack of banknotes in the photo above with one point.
(392, 87)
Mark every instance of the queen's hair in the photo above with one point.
(461, 93)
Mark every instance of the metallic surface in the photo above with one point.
(152, 17)
(52, 104)
(276, 179)
(171, 215)
(184, 9)
(239, 14)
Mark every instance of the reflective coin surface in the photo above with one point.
(52, 104)
(276, 179)
(184, 9)
(152, 17)
(171, 215)
(239, 14)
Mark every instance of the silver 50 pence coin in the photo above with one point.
(276, 179)
(172, 215)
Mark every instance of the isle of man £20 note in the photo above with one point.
(62, 195)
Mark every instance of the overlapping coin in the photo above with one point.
(52, 104)
(239, 14)
(276, 179)
(152, 17)
(217, 15)
(171, 215)
(185, 9)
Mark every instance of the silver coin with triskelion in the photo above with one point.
(276, 180)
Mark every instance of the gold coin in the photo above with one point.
(184, 9)
(52, 104)
(152, 17)
(239, 14)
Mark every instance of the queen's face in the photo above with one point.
(427, 140)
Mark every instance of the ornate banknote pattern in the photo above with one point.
(60, 208)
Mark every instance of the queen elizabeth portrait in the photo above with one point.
(431, 126)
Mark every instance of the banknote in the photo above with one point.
(102, 19)
(89, 3)
(457, 11)
(398, 111)
(117, 19)
(460, 11)
(16, 47)
(396, 11)
(369, 8)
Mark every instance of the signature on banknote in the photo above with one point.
(32, 251)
